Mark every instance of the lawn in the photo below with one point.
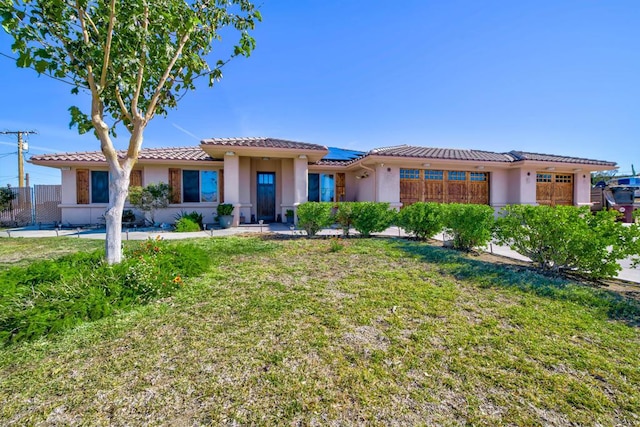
(314, 332)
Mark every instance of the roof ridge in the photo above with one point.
(390, 147)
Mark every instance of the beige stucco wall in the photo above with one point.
(499, 188)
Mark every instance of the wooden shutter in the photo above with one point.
(341, 188)
(82, 186)
(136, 178)
(175, 182)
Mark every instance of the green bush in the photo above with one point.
(194, 216)
(314, 216)
(423, 220)
(50, 296)
(186, 225)
(224, 209)
(568, 238)
(344, 216)
(470, 225)
(371, 217)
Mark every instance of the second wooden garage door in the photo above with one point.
(427, 185)
(554, 188)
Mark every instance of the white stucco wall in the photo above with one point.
(388, 183)
(498, 188)
(582, 189)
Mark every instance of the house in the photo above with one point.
(265, 177)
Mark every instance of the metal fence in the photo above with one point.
(37, 205)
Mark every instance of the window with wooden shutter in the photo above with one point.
(341, 187)
(136, 178)
(175, 182)
(82, 186)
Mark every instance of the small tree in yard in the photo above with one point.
(150, 198)
(135, 58)
(314, 216)
(6, 196)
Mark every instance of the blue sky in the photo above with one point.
(555, 76)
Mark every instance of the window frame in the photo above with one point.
(186, 191)
(93, 194)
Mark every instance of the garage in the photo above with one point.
(554, 188)
(443, 186)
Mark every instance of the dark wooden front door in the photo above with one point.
(266, 189)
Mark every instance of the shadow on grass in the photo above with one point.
(526, 279)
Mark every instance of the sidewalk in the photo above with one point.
(627, 273)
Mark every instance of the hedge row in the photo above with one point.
(560, 239)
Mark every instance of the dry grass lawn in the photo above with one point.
(367, 332)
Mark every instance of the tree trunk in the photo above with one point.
(118, 190)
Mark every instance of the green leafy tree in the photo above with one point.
(6, 196)
(135, 58)
(150, 198)
(569, 238)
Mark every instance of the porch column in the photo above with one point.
(232, 184)
(300, 183)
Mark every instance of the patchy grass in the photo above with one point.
(20, 251)
(380, 332)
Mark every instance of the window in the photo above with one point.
(199, 186)
(99, 187)
(321, 187)
(409, 173)
(564, 178)
(457, 176)
(543, 177)
(432, 175)
(478, 176)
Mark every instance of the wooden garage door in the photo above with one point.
(554, 188)
(428, 185)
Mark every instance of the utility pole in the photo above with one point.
(20, 152)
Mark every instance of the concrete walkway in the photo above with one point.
(627, 273)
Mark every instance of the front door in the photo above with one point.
(266, 189)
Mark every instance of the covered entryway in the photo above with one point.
(554, 188)
(427, 185)
(266, 196)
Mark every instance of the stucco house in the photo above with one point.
(265, 177)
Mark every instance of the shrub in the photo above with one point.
(193, 216)
(128, 216)
(50, 296)
(372, 217)
(224, 209)
(470, 225)
(150, 198)
(314, 216)
(423, 220)
(186, 225)
(344, 217)
(568, 238)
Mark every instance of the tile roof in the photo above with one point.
(523, 155)
(173, 153)
(440, 153)
(261, 142)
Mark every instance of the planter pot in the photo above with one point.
(225, 221)
(289, 219)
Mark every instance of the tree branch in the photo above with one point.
(156, 96)
(107, 47)
(122, 105)
(143, 60)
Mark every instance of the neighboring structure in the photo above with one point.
(264, 177)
